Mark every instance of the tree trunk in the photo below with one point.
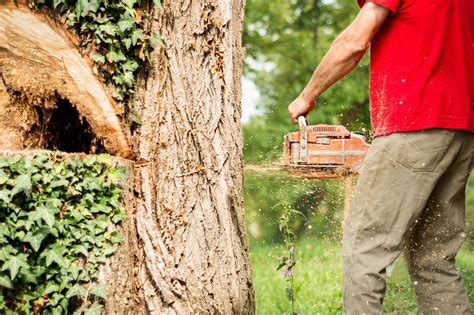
(190, 214)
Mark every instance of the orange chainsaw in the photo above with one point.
(323, 151)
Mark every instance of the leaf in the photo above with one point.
(155, 40)
(137, 34)
(6, 282)
(3, 177)
(128, 78)
(289, 293)
(22, 184)
(51, 287)
(55, 255)
(94, 309)
(119, 217)
(104, 159)
(116, 175)
(5, 196)
(99, 290)
(115, 56)
(14, 264)
(108, 28)
(130, 65)
(109, 250)
(99, 58)
(81, 249)
(136, 118)
(126, 24)
(157, 2)
(76, 290)
(42, 213)
(34, 240)
(59, 183)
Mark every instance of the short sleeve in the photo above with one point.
(392, 5)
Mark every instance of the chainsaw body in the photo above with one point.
(323, 151)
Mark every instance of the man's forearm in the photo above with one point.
(346, 51)
(342, 57)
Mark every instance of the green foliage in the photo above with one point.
(285, 41)
(56, 230)
(317, 283)
(287, 263)
(115, 35)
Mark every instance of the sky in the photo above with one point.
(250, 97)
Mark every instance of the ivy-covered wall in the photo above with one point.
(58, 217)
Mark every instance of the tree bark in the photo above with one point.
(190, 214)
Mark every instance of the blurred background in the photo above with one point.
(285, 39)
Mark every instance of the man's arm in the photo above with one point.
(343, 55)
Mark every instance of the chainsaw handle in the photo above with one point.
(302, 122)
(303, 139)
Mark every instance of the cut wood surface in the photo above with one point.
(39, 60)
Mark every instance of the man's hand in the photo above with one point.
(300, 107)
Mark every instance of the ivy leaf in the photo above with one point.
(128, 78)
(155, 40)
(22, 184)
(99, 290)
(59, 183)
(14, 264)
(55, 255)
(89, 6)
(119, 217)
(130, 65)
(6, 282)
(76, 290)
(104, 159)
(44, 214)
(51, 287)
(116, 175)
(94, 309)
(98, 58)
(5, 196)
(126, 24)
(35, 240)
(3, 177)
(108, 28)
(136, 118)
(115, 56)
(137, 34)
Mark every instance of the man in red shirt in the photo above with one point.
(411, 190)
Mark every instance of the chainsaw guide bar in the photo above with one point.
(323, 151)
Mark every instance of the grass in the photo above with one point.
(318, 280)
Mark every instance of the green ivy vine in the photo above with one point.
(113, 33)
(57, 226)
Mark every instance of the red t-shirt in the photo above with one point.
(422, 66)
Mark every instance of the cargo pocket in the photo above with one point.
(421, 151)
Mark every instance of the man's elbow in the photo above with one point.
(353, 45)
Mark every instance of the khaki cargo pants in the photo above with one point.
(410, 197)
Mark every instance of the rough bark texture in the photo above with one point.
(190, 214)
(120, 273)
(40, 63)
